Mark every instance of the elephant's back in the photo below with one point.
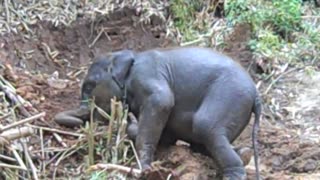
(195, 67)
(197, 55)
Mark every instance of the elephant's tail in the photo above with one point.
(257, 113)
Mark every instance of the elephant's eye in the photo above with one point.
(89, 86)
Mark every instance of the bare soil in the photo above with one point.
(284, 154)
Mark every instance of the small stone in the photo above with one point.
(277, 161)
(310, 165)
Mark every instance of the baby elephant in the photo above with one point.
(193, 94)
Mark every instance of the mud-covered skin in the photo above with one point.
(193, 94)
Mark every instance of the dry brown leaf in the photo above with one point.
(22, 91)
(10, 74)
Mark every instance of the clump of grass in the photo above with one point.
(184, 16)
(19, 17)
(283, 17)
(113, 147)
(194, 22)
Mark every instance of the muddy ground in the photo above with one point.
(288, 140)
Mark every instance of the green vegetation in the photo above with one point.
(98, 175)
(281, 29)
(285, 31)
(283, 17)
(184, 13)
(192, 18)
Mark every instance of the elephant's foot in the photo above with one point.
(236, 173)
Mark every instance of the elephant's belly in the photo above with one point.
(180, 124)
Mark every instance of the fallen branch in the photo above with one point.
(124, 169)
(56, 131)
(16, 99)
(258, 84)
(18, 158)
(4, 128)
(5, 83)
(28, 158)
(43, 163)
(7, 158)
(5, 116)
(15, 134)
(7, 12)
(135, 154)
(59, 139)
(96, 39)
(12, 166)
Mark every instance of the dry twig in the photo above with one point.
(18, 158)
(7, 158)
(27, 120)
(12, 166)
(59, 139)
(57, 131)
(124, 169)
(30, 162)
(42, 150)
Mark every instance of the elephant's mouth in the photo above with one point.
(77, 117)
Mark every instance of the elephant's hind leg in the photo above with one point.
(219, 120)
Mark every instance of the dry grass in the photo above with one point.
(205, 30)
(100, 144)
(20, 16)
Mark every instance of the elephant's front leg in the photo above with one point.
(152, 120)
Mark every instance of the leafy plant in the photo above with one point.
(265, 43)
(282, 16)
(279, 30)
(287, 15)
(193, 21)
(184, 16)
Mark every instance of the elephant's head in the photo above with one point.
(106, 78)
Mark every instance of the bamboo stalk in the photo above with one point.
(57, 131)
(7, 158)
(128, 170)
(30, 162)
(12, 125)
(17, 156)
(13, 134)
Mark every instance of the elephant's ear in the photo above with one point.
(121, 64)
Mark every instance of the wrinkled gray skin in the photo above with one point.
(194, 94)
